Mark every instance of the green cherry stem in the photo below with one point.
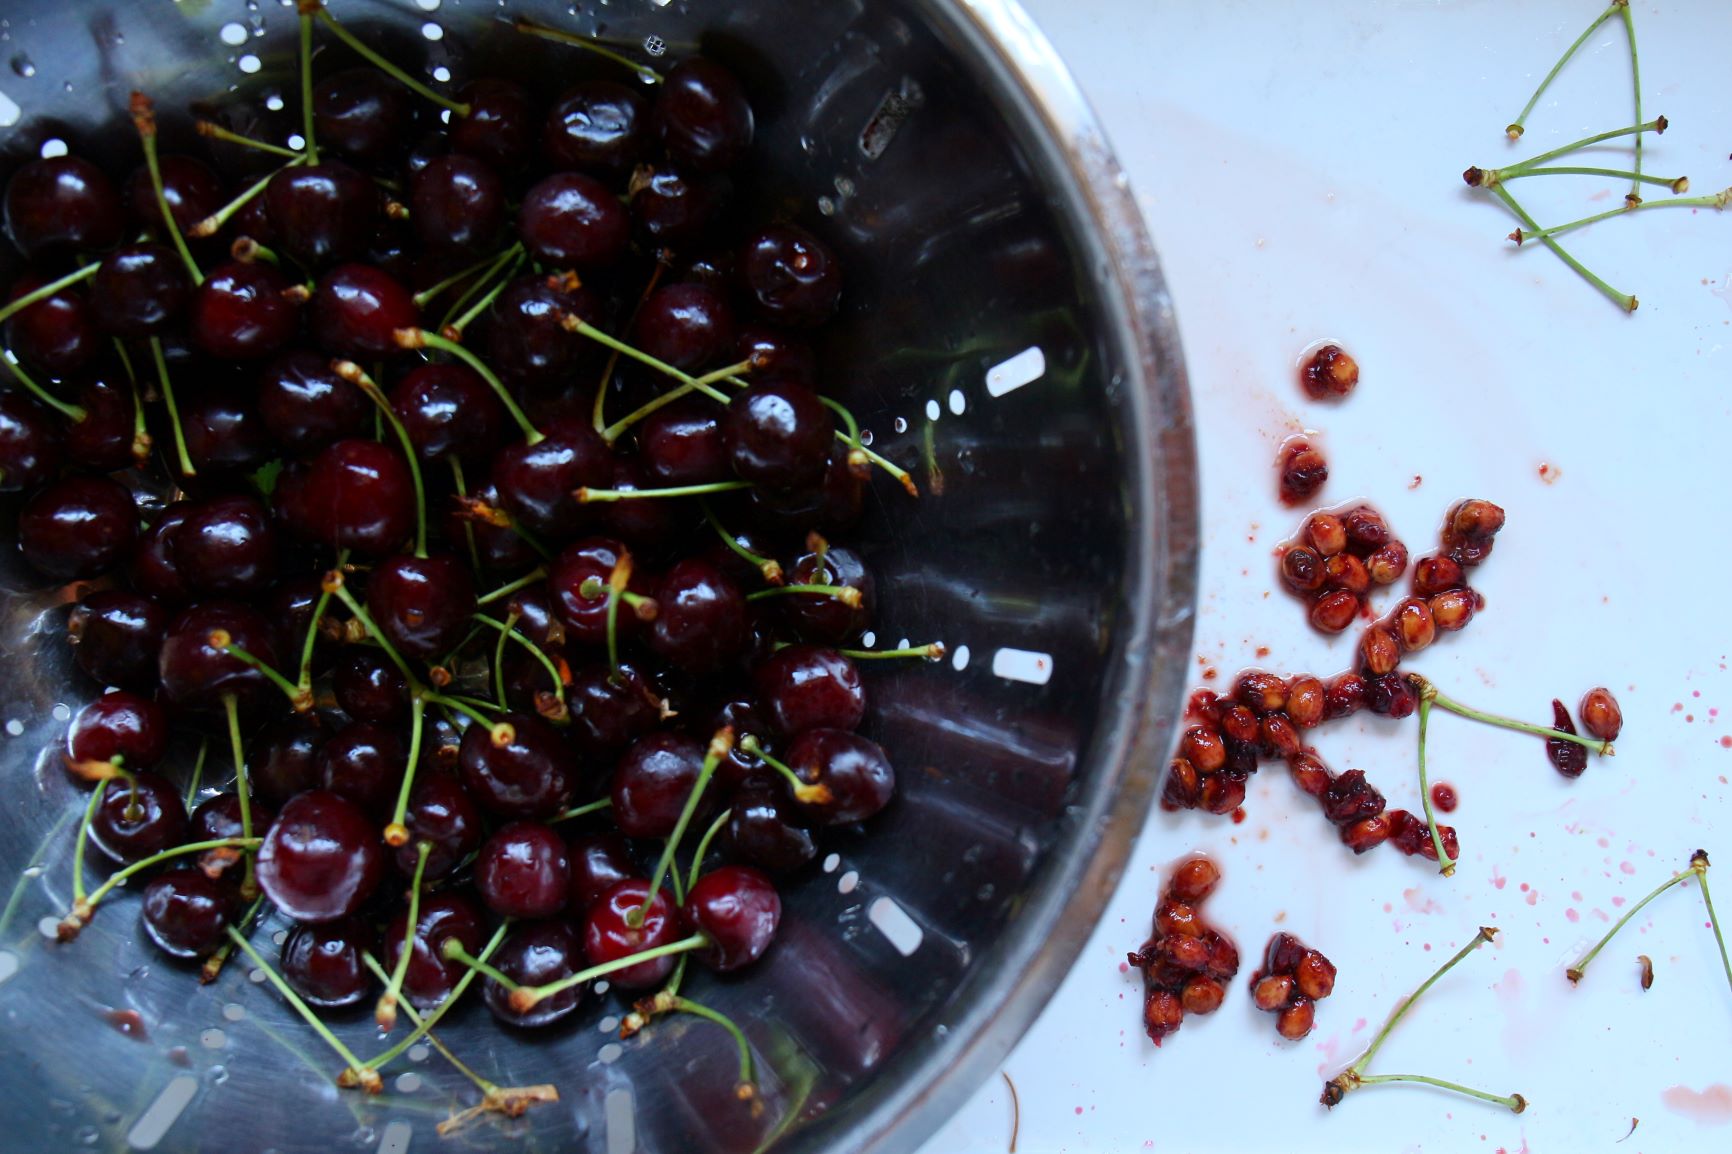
(81, 912)
(613, 432)
(720, 745)
(1515, 128)
(72, 412)
(141, 438)
(583, 810)
(37, 859)
(1580, 970)
(1428, 689)
(846, 594)
(213, 965)
(1678, 184)
(1699, 863)
(1445, 864)
(192, 785)
(243, 789)
(768, 566)
(452, 950)
(1485, 934)
(508, 630)
(213, 223)
(1623, 300)
(1636, 88)
(462, 490)
(304, 680)
(385, 1011)
(507, 590)
(812, 793)
(381, 63)
(214, 131)
(353, 1065)
(306, 11)
(703, 849)
(333, 583)
(598, 409)
(397, 833)
(586, 495)
(576, 324)
(524, 998)
(427, 1023)
(422, 339)
(530, 28)
(1514, 1103)
(457, 327)
(76, 276)
(428, 295)
(355, 375)
(931, 651)
(511, 620)
(300, 699)
(1657, 125)
(79, 898)
(480, 283)
(162, 379)
(1718, 201)
(144, 119)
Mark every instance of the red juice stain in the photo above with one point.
(127, 1022)
(180, 1057)
(1262, 651)
(1443, 796)
(1726, 742)
(1239, 816)
(1712, 1105)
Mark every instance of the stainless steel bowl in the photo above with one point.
(987, 233)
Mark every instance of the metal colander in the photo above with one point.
(1006, 336)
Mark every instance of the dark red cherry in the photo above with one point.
(448, 410)
(219, 816)
(822, 617)
(323, 962)
(610, 710)
(676, 208)
(223, 430)
(536, 482)
(119, 726)
(424, 605)
(777, 355)
(834, 506)
(501, 124)
(535, 954)
(369, 686)
(191, 187)
(289, 607)
(682, 444)
(252, 221)
(77, 527)
(526, 341)
(522, 871)
(56, 335)
(499, 549)
(608, 933)
(283, 759)
(457, 202)
(573, 221)
(104, 441)
(227, 547)
(115, 637)
(791, 275)
(530, 776)
(362, 114)
(240, 311)
(364, 763)
(652, 781)
(700, 622)
(358, 495)
(765, 829)
(139, 290)
(855, 771)
(778, 435)
(441, 814)
(651, 526)
(185, 913)
(322, 859)
(323, 213)
(430, 976)
(598, 862)
(687, 325)
(196, 675)
(138, 819)
(30, 442)
(805, 687)
(305, 405)
(739, 713)
(595, 126)
(156, 570)
(62, 204)
(585, 617)
(738, 907)
(357, 311)
(702, 115)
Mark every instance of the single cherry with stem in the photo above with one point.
(365, 1075)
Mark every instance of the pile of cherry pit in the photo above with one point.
(284, 441)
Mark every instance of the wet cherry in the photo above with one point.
(652, 781)
(185, 913)
(530, 775)
(608, 933)
(595, 126)
(116, 636)
(305, 405)
(77, 527)
(854, 770)
(323, 962)
(572, 221)
(806, 687)
(534, 954)
(792, 276)
(423, 605)
(738, 907)
(702, 116)
(430, 976)
(138, 819)
(241, 311)
(322, 859)
(122, 726)
(364, 763)
(62, 204)
(522, 871)
(441, 814)
(357, 310)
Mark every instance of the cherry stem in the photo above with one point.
(243, 789)
(462, 490)
(1623, 300)
(305, 679)
(353, 1064)
(397, 833)
(599, 407)
(511, 620)
(846, 594)
(576, 324)
(720, 745)
(415, 1019)
(301, 700)
(341, 592)
(1428, 690)
(358, 377)
(768, 566)
(37, 860)
(78, 896)
(583, 810)
(1578, 971)
(1515, 129)
(703, 849)
(1485, 934)
(141, 439)
(48, 290)
(530, 28)
(452, 950)
(522, 582)
(186, 467)
(529, 995)
(192, 785)
(1678, 184)
(211, 224)
(1515, 1103)
(385, 1012)
(848, 422)
(1658, 124)
(746, 1089)
(382, 64)
(1636, 89)
(931, 651)
(510, 631)
(116, 878)
(1445, 864)
(213, 965)
(72, 412)
(426, 1024)
(615, 583)
(215, 131)
(494, 264)
(310, 149)
(586, 495)
(144, 119)
(466, 706)
(1699, 862)
(1718, 200)
(816, 793)
(427, 295)
(486, 299)
(421, 338)
(614, 431)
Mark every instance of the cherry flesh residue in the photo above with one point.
(1443, 797)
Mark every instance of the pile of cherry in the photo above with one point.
(281, 483)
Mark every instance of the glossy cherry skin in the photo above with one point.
(595, 126)
(652, 781)
(430, 976)
(357, 311)
(129, 832)
(682, 444)
(777, 355)
(805, 687)
(116, 636)
(197, 676)
(56, 335)
(139, 290)
(572, 221)
(598, 862)
(62, 204)
(822, 618)
(834, 506)
(369, 686)
(700, 623)
(364, 763)
(119, 725)
(362, 114)
(670, 207)
(791, 275)
(738, 907)
(423, 605)
(219, 816)
(289, 607)
(501, 124)
(778, 436)
(323, 213)
(185, 913)
(536, 482)
(358, 495)
(306, 406)
(283, 759)
(227, 547)
(322, 859)
(609, 935)
(191, 187)
(522, 871)
(765, 830)
(859, 776)
(223, 430)
(526, 342)
(585, 618)
(77, 527)
(608, 710)
(103, 441)
(687, 325)
(535, 954)
(449, 410)
(240, 312)
(30, 442)
(323, 962)
(529, 777)
(702, 115)
(156, 570)
(457, 202)
(441, 814)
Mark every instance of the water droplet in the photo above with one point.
(654, 45)
(900, 424)
(610, 1053)
(419, 1053)
(233, 34)
(212, 1039)
(217, 1075)
(86, 1135)
(62, 711)
(234, 1012)
(432, 31)
(408, 1083)
(275, 104)
(442, 74)
(427, 5)
(24, 66)
(15, 727)
(249, 63)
